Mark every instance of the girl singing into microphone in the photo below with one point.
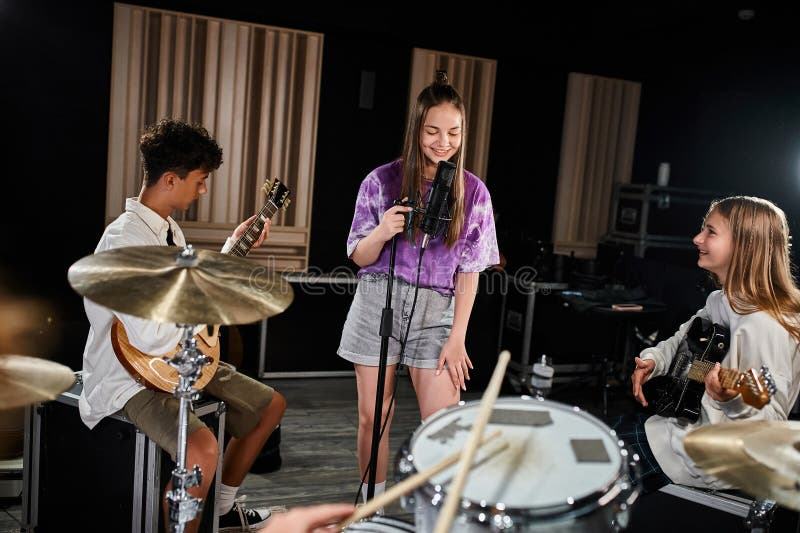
(436, 323)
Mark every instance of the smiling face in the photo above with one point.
(715, 245)
(440, 136)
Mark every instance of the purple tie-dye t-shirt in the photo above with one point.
(475, 251)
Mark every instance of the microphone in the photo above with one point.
(436, 206)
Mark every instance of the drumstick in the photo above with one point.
(487, 404)
(410, 484)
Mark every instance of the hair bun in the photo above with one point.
(441, 78)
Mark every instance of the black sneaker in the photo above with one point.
(240, 518)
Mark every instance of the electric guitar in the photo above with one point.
(154, 372)
(704, 345)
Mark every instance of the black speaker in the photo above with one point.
(484, 328)
(303, 338)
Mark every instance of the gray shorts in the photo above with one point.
(430, 325)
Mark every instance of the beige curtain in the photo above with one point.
(597, 146)
(473, 78)
(254, 87)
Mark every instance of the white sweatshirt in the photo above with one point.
(756, 340)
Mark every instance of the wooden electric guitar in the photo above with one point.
(154, 372)
(683, 386)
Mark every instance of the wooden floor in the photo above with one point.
(318, 444)
(318, 440)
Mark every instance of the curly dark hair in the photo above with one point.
(174, 146)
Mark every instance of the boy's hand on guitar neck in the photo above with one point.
(242, 228)
(644, 369)
(715, 389)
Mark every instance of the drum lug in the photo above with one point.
(502, 521)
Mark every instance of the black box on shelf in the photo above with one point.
(535, 321)
(302, 341)
(646, 215)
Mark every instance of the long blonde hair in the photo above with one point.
(760, 273)
(437, 93)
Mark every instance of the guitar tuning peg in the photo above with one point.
(769, 381)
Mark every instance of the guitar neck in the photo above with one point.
(728, 377)
(249, 237)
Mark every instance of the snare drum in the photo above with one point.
(563, 470)
(381, 524)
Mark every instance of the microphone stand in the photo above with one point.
(387, 319)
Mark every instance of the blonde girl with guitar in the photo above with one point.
(744, 245)
(177, 158)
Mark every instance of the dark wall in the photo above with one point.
(719, 102)
(55, 92)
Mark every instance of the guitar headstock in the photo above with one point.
(769, 382)
(277, 193)
(756, 387)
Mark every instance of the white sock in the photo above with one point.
(380, 488)
(226, 496)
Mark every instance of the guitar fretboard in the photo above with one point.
(249, 237)
(728, 378)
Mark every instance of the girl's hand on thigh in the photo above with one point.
(454, 353)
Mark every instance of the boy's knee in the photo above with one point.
(203, 445)
(277, 404)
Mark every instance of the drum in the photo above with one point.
(563, 470)
(381, 524)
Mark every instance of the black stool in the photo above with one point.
(112, 476)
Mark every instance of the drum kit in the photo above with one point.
(565, 471)
(559, 468)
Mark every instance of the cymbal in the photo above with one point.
(25, 380)
(164, 284)
(759, 457)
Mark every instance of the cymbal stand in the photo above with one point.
(188, 361)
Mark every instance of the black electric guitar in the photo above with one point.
(682, 388)
(154, 372)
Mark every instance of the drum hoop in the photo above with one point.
(394, 523)
(579, 507)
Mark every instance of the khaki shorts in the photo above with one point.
(155, 413)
